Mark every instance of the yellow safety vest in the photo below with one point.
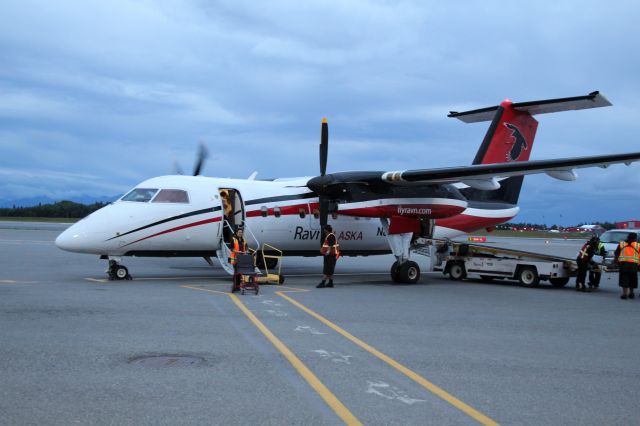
(629, 252)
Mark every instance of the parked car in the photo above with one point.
(611, 239)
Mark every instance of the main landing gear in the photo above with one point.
(404, 270)
(117, 272)
(407, 272)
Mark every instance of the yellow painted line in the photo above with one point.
(472, 412)
(331, 400)
(294, 289)
(103, 280)
(355, 274)
(205, 289)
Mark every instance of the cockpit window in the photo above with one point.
(141, 195)
(171, 196)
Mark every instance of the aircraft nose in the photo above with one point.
(72, 239)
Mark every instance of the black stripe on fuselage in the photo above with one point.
(266, 200)
(169, 219)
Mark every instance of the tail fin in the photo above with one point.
(511, 134)
(509, 138)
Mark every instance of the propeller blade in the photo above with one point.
(324, 146)
(202, 155)
(177, 170)
(324, 215)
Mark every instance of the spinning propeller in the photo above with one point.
(203, 153)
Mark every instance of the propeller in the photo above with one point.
(324, 152)
(203, 153)
(177, 170)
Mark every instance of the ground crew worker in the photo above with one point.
(239, 247)
(330, 252)
(583, 260)
(226, 204)
(227, 210)
(628, 256)
(595, 275)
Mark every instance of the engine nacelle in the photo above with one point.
(414, 208)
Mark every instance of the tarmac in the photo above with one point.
(172, 346)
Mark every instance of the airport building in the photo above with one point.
(628, 224)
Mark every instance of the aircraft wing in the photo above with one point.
(485, 176)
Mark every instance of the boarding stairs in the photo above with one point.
(224, 252)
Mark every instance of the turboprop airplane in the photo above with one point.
(372, 212)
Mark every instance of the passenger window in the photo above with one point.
(334, 216)
(276, 211)
(302, 213)
(140, 195)
(316, 213)
(171, 196)
(264, 211)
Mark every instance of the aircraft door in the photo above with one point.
(233, 213)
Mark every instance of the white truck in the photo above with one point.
(460, 260)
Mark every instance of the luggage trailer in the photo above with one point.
(460, 260)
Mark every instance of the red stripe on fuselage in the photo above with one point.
(177, 228)
(405, 210)
(469, 223)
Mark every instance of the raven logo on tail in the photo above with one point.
(519, 144)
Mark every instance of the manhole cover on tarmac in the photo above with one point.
(166, 360)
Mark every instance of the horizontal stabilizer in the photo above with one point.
(592, 100)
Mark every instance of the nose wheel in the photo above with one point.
(117, 272)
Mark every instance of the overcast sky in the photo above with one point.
(96, 96)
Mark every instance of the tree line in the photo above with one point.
(61, 209)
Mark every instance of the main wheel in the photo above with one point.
(457, 271)
(395, 272)
(559, 282)
(409, 272)
(528, 276)
(121, 272)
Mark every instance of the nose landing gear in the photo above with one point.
(117, 272)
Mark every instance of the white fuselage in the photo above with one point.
(280, 213)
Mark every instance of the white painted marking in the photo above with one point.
(7, 281)
(334, 356)
(387, 391)
(20, 242)
(277, 313)
(271, 303)
(308, 329)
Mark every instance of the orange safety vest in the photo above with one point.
(237, 249)
(629, 252)
(327, 249)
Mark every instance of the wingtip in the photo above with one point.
(324, 120)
